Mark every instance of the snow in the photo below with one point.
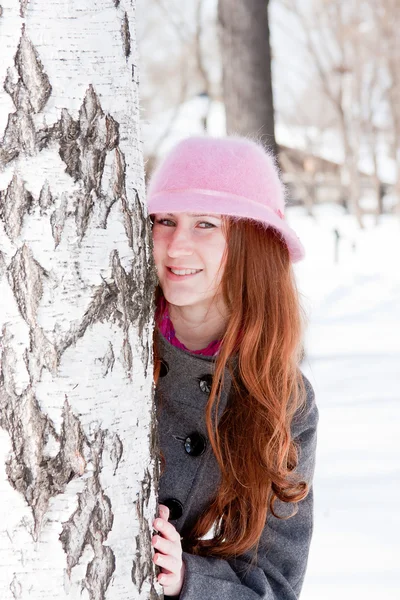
(352, 360)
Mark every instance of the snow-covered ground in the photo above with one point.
(353, 362)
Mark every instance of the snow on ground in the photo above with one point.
(353, 362)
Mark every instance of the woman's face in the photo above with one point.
(188, 252)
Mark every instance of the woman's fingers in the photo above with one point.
(166, 547)
(171, 564)
(167, 530)
(164, 511)
(169, 554)
(166, 579)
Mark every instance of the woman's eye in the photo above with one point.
(166, 222)
(207, 225)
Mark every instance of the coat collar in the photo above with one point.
(182, 365)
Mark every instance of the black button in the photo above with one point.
(175, 508)
(205, 383)
(164, 368)
(195, 444)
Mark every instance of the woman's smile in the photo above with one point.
(180, 274)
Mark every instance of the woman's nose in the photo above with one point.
(180, 244)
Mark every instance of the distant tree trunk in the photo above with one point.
(77, 492)
(246, 58)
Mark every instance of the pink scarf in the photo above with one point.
(167, 329)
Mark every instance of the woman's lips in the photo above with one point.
(173, 277)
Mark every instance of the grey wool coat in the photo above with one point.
(190, 479)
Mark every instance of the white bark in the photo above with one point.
(77, 491)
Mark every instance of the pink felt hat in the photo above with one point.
(231, 176)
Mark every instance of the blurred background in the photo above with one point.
(319, 82)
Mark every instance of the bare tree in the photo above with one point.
(388, 21)
(189, 33)
(246, 59)
(345, 48)
(76, 285)
(327, 33)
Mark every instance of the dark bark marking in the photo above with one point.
(83, 147)
(106, 202)
(38, 476)
(118, 300)
(99, 573)
(112, 133)
(127, 357)
(126, 303)
(30, 469)
(101, 308)
(144, 288)
(126, 35)
(84, 143)
(9, 144)
(112, 301)
(90, 525)
(137, 229)
(40, 354)
(29, 88)
(116, 188)
(89, 111)
(23, 5)
(16, 588)
(83, 212)
(45, 198)
(116, 3)
(67, 130)
(124, 310)
(92, 165)
(116, 451)
(26, 276)
(154, 594)
(107, 360)
(128, 223)
(3, 266)
(118, 182)
(143, 567)
(146, 356)
(19, 136)
(99, 134)
(9, 147)
(15, 202)
(58, 219)
(11, 84)
(32, 74)
(154, 443)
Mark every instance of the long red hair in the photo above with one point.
(264, 332)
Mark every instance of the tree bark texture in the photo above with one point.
(77, 486)
(247, 79)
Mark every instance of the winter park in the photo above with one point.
(112, 484)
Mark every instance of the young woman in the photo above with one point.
(237, 419)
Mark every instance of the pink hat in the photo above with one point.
(230, 176)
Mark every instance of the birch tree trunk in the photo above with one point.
(77, 489)
(246, 60)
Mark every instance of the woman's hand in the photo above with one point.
(169, 555)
